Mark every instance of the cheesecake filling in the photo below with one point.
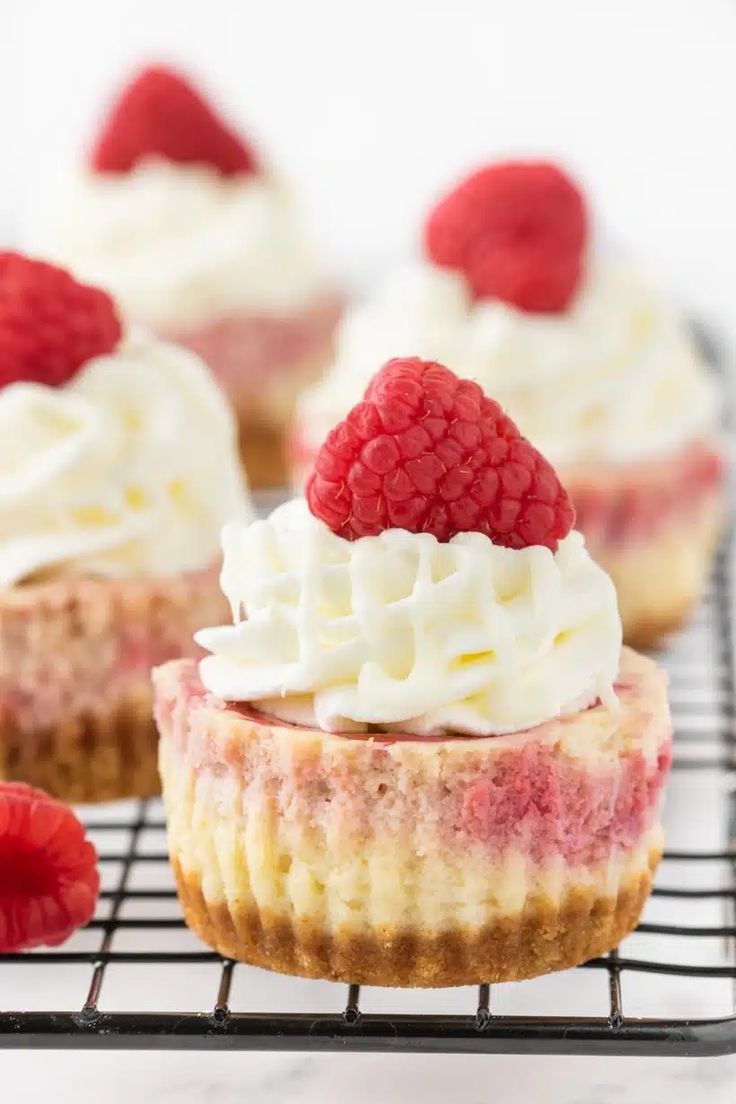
(412, 832)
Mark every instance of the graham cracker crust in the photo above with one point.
(76, 701)
(652, 630)
(540, 939)
(87, 758)
(262, 452)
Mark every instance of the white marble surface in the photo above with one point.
(190, 1078)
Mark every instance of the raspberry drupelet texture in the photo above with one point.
(517, 231)
(429, 452)
(159, 114)
(49, 882)
(50, 324)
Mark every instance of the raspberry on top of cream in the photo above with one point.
(176, 216)
(117, 456)
(586, 355)
(432, 627)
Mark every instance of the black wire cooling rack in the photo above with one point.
(137, 978)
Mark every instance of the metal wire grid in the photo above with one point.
(701, 872)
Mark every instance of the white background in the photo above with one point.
(372, 108)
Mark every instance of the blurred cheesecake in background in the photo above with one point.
(120, 465)
(181, 220)
(584, 352)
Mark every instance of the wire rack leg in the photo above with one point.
(89, 1010)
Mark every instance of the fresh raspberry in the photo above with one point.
(428, 452)
(49, 880)
(49, 324)
(517, 231)
(159, 114)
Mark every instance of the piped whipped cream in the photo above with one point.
(615, 378)
(181, 245)
(130, 469)
(407, 633)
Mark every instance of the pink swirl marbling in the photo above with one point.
(248, 352)
(577, 788)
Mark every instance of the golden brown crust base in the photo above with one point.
(262, 453)
(542, 939)
(652, 630)
(88, 758)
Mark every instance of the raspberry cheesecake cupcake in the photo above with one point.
(118, 467)
(585, 354)
(180, 219)
(418, 755)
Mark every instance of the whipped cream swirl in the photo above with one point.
(130, 469)
(179, 245)
(614, 378)
(407, 633)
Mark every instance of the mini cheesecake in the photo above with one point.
(200, 242)
(118, 468)
(418, 755)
